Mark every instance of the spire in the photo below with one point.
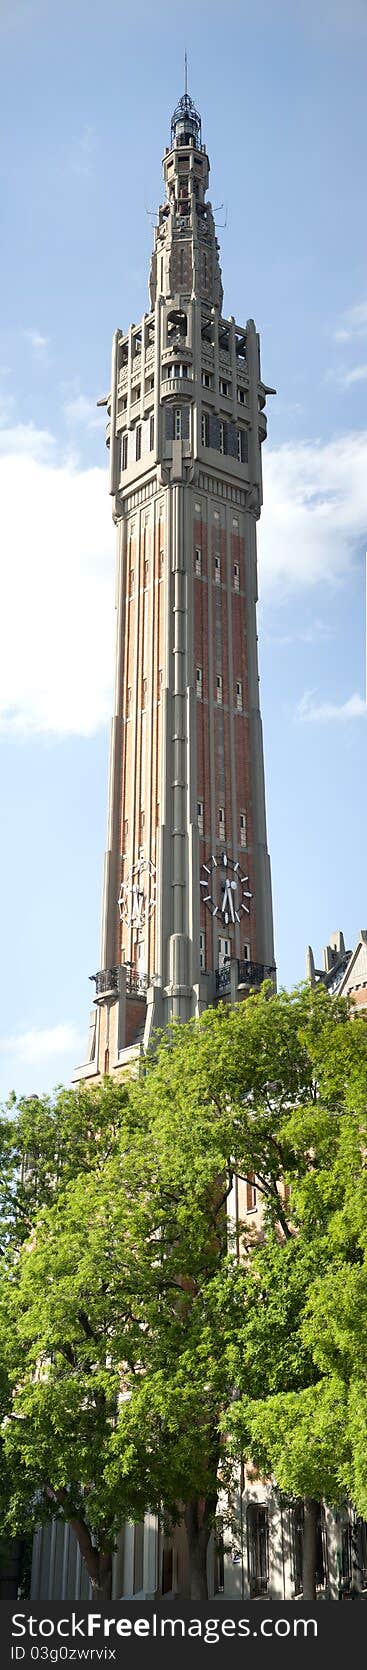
(186, 121)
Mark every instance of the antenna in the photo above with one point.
(186, 74)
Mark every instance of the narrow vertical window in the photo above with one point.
(200, 807)
(222, 824)
(124, 453)
(151, 433)
(199, 682)
(243, 829)
(219, 688)
(202, 952)
(239, 695)
(242, 445)
(138, 442)
(198, 560)
(236, 576)
(178, 424)
(251, 1193)
(217, 571)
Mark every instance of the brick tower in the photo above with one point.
(187, 911)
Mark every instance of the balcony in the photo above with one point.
(247, 974)
(108, 982)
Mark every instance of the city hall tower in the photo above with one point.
(187, 910)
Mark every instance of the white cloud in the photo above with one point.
(342, 336)
(326, 712)
(43, 1043)
(358, 374)
(56, 621)
(36, 340)
(358, 315)
(314, 517)
(81, 411)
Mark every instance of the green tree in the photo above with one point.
(126, 1318)
(306, 1421)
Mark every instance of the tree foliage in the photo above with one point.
(139, 1355)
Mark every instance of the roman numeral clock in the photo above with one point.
(225, 890)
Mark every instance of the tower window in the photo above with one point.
(239, 694)
(243, 829)
(202, 952)
(241, 396)
(207, 380)
(251, 1193)
(160, 682)
(178, 424)
(198, 560)
(224, 951)
(138, 442)
(146, 573)
(242, 446)
(236, 576)
(200, 810)
(144, 694)
(246, 952)
(128, 698)
(222, 437)
(205, 429)
(199, 682)
(222, 823)
(151, 433)
(161, 562)
(219, 688)
(131, 582)
(124, 453)
(217, 570)
(223, 386)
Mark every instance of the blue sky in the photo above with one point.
(86, 95)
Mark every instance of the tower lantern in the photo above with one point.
(187, 912)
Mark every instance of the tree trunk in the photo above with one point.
(198, 1533)
(311, 1512)
(98, 1561)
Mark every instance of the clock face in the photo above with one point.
(225, 889)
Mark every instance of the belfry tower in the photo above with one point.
(187, 912)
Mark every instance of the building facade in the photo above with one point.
(344, 972)
(187, 908)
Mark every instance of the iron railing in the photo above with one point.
(107, 980)
(248, 974)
